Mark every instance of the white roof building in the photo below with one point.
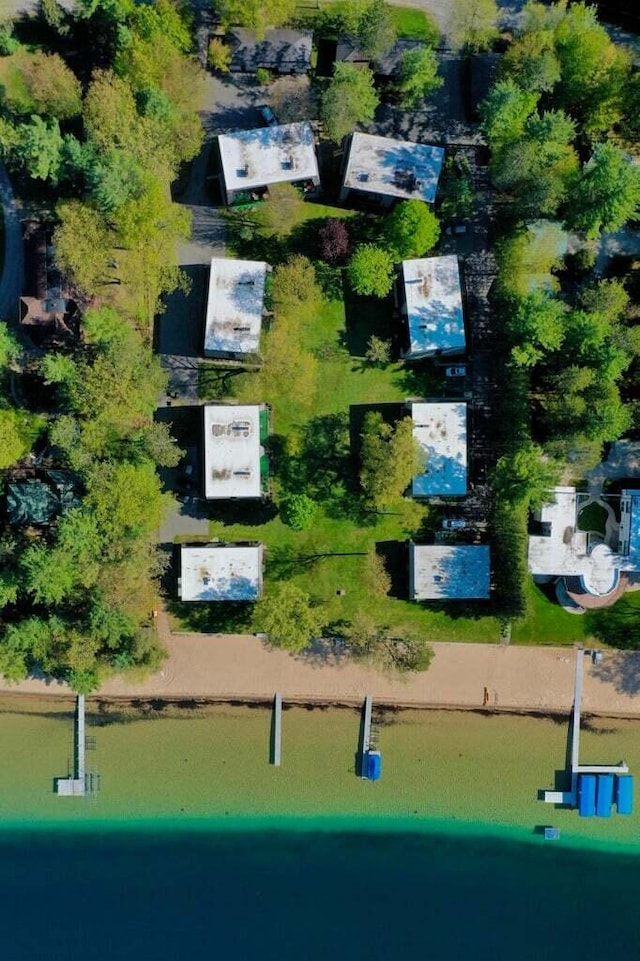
(452, 572)
(432, 303)
(235, 464)
(557, 548)
(234, 307)
(256, 158)
(392, 169)
(441, 430)
(219, 572)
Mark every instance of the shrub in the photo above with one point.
(219, 55)
(370, 271)
(298, 511)
(334, 241)
(262, 76)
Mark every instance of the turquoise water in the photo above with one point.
(182, 894)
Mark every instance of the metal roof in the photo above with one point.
(434, 306)
(234, 306)
(213, 572)
(453, 572)
(268, 155)
(393, 168)
(441, 430)
(232, 451)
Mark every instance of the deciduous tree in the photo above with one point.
(418, 75)
(390, 458)
(349, 99)
(288, 617)
(473, 24)
(606, 194)
(411, 229)
(370, 271)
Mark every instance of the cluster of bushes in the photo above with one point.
(105, 133)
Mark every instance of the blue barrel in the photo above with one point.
(374, 766)
(624, 793)
(604, 798)
(587, 795)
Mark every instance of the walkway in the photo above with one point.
(11, 284)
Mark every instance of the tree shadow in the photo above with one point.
(225, 617)
(366, 317)
(395, 555)
(246, 513)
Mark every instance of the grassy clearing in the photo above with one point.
(415, 25)
(548, 623)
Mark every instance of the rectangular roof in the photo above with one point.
(211, 572)
(282, 50)
(393, 168)
(632, 560)
(561, 547)
(441, 431)
(452, 572)
(232, 451)
(234, 306)
(434, 305)
(268, 155)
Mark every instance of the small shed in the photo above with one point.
(38, 501)
(220, 572)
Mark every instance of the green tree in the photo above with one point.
(594, 71)
(350, 98)
(378, 351)
(258, 14)
(9, 346)
(606, 194)
(298, 511)
(49, 575)
(527, 258)
(15, 441)
(375, 30)
(525, 476)
(83, 246)
(53, 87)
(219, 55)
(473, 24)
(535, 324)
(390, 458)
(281, 212)
(288, 617)
(39, 149)
(370, 271)
(505, 111)
(411, 229)
(418, 75)
(532, 62)
(295, 284)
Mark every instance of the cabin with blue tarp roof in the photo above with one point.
(429, 297)
(440, 429)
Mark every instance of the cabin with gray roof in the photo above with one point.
(283, 51)
(235, 460)
(451, 572)
(382, 170)
(440, 428)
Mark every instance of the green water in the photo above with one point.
(196, 847)
(213, 763)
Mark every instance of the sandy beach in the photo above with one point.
(469, 676)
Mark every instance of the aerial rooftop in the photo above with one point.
(629, 544)
(234, 306)
(287, 51)
(441, 430)
(268, 155)
(393, 168)
(215, 572)
(433, 306)
(451, 572)
(234, 459)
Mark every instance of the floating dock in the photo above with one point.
(277, 729)
(581, 785)
(76, 784)
(371, 760)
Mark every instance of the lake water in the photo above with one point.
(195, 846)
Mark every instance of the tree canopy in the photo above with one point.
(370, 271)
(411, 229)
(349, 99)
(390, 458)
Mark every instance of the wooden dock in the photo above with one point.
(76, 784)
(571, 797)
(366, 731)
(277, 729)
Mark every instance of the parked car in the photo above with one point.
(455, 230)
(453, 524)
(269, 116)
(460, 371)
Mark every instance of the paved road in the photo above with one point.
(11, 285)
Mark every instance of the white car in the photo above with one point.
(460, 371)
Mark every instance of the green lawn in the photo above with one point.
(409, 22)
(548, 623)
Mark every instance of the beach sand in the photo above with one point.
(504, 677)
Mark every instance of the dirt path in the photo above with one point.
(461, 675)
